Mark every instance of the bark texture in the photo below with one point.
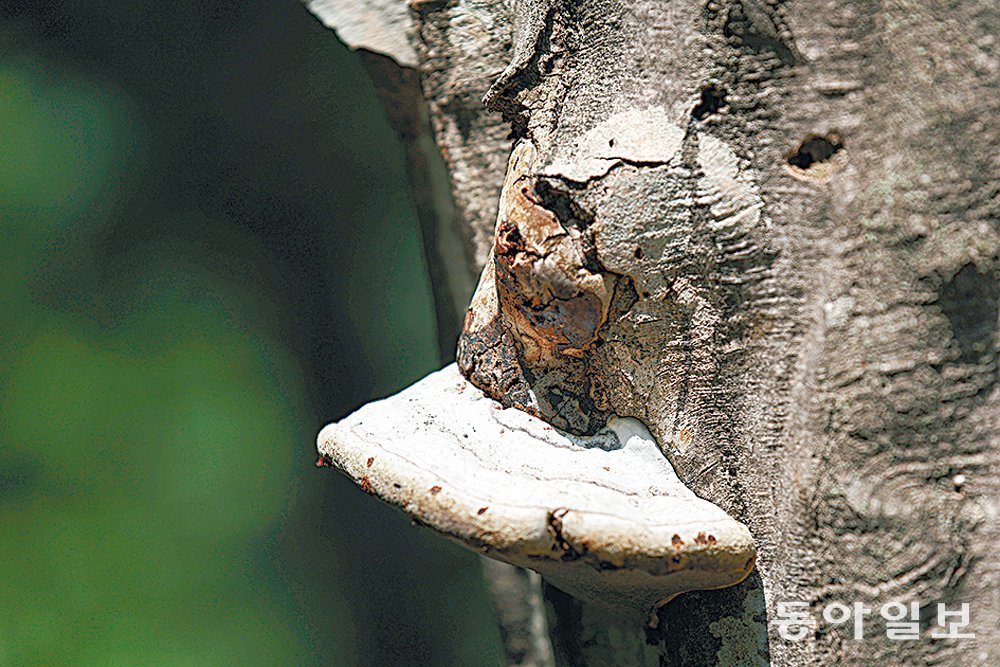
(769, 230)
(517, 598)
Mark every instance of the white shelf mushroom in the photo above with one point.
(603, 517)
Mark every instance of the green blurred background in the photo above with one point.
(208, 252)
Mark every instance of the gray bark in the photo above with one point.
(793, 210)
(517, 598)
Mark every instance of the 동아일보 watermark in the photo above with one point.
(795, 621)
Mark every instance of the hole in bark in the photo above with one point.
(712, 99)
(816, 149)
(638, 252)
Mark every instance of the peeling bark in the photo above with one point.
(768, 230)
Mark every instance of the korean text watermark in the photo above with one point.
(795, 622)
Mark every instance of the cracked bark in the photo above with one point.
(773, 237)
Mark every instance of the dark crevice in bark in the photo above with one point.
(566, 624)
(571, 215)
(562, 205)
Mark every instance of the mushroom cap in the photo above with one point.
(603, 517)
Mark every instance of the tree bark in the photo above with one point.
(795, 208)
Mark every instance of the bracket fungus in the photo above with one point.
(603, 517)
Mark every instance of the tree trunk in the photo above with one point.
(792, 211)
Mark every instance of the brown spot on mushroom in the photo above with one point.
(700, 538)
(435, 490)
(371, 460)
(324, 461)
(366, 485)
(677, 541)
(482, 510)
(711, 539)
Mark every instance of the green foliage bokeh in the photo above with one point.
(207, 252)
